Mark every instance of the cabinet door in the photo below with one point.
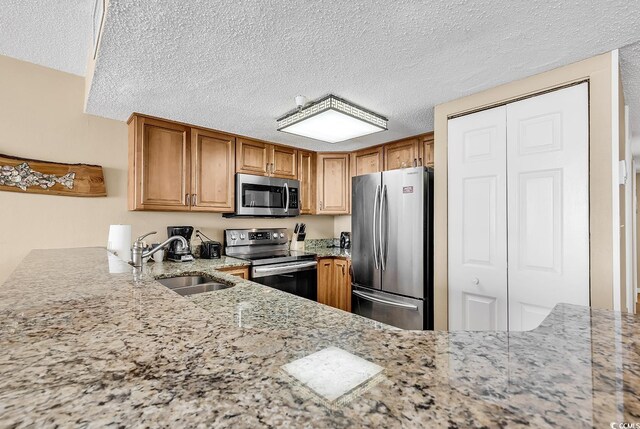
(367, 161)
(341, 285)
(333, 183)
(253, 157)
(325, 280)
(162, 165)
(242, 272)
(427, 151)
(284, 162)
(401, 154)
(307, 178)
(212, 163)
(477, 207)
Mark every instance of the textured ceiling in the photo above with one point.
(630, 70)
(237, 66)
(55, 34)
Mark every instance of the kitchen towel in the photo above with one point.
(119, 241)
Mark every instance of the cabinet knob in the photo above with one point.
(476, 281)
(194, 200)
(187, 199)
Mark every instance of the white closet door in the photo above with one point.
(548, 204)
(477, 221)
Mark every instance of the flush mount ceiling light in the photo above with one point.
(331, 119)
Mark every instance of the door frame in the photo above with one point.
(595, 70)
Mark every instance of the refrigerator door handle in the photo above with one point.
(384, 301)
(383, 244)
(375, 245)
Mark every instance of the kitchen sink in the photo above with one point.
(189, 285)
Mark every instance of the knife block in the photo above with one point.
(296, 244)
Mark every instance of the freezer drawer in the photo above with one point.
(395, 310)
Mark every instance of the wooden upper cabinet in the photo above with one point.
(265, 159)
(333, 183)
(427, 150)
(284, 162)
(252, 157)
(174, 167)
(367, 161)
(212, 175)
(402, 154)
(161, 162)
(307, 178)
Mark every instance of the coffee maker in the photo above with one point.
(175, 254)
(345, 240)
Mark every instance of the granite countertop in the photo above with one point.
(87, 341)
(330, 252)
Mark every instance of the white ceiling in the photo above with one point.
(55, 34)
(237, 66)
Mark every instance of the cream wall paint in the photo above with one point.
(341, 223)
(44, 119)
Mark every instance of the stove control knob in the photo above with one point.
(242, 236)
(282, 235)
(234, 237)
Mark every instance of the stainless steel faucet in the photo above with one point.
(137, 250)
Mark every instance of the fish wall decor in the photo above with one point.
(35, 176)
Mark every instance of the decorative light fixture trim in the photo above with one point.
(372, 122)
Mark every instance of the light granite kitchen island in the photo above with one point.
(87, 342)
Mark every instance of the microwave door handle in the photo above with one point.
(286, 206)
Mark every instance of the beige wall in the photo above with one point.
(341, 223)
(598, 71)
(44, 119)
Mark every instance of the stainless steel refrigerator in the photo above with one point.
(392, 247)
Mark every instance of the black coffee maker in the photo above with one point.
(175, 254)
(345, 240)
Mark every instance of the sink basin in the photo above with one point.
(189, 285)
(183, 281)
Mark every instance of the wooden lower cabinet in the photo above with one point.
(242, 272)
(334, 283)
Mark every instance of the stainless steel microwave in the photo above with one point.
(266, 196)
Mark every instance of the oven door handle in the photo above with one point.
(284, 269)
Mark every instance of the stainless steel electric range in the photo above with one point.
(272, 263)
